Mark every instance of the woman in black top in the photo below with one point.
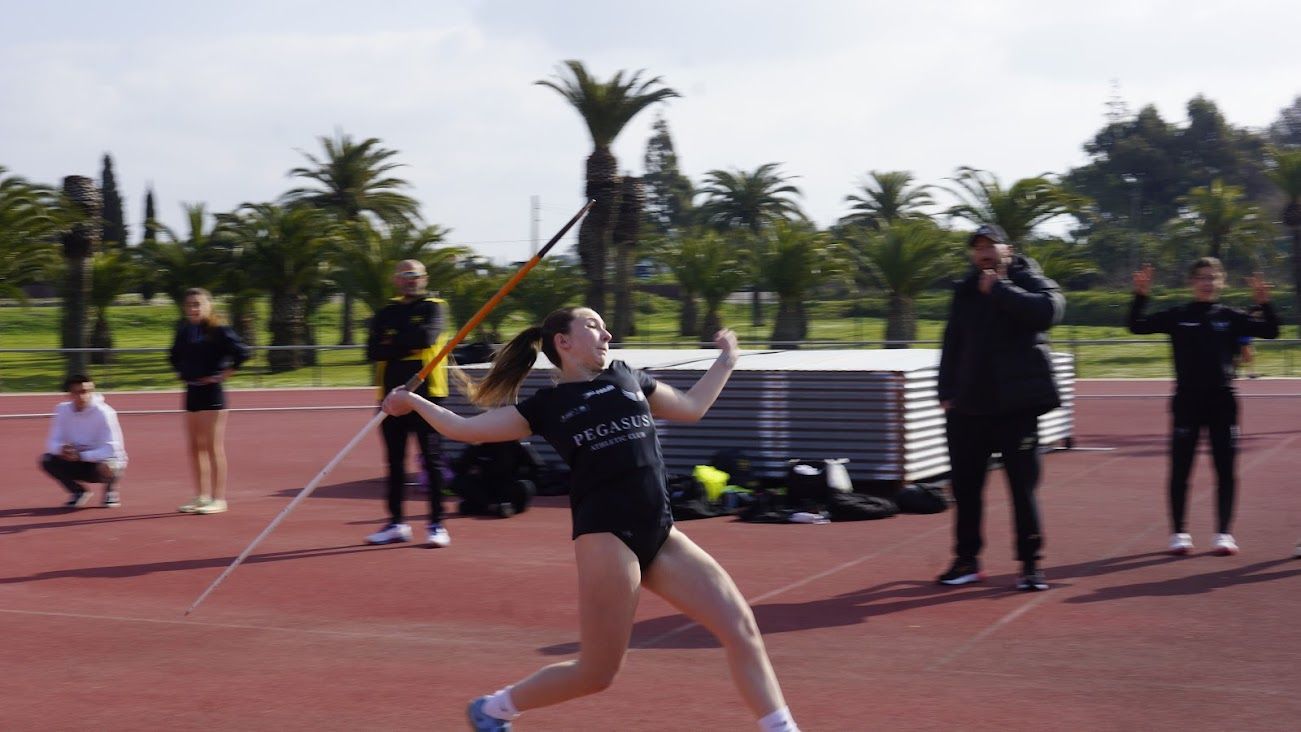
(204, 354)
(1205, 336)
(601, 419)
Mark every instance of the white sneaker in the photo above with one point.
(390, 534)
(1181, 544)
(1225, 546)
(438, 536)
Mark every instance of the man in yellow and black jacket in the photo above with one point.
(405, 335)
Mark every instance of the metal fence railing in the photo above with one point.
(129, 369)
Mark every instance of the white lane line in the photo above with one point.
(405, 638)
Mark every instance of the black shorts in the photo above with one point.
(204, 397)
(645, 542)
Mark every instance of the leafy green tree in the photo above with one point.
(904, 260)
(285, 251)
(477, 282)
(114, 232)
(625, 242)
(148, 288)
(1018, 209)
(352, 180)
(30, 220)
(1285, 132)
(749, 202)
(1286, 174)
(885, 198)
(551, 285)
(606, 108)
(669, 193)
(1216, 212)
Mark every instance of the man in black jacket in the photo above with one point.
(1205, 337)
(405, 335)
(995, 379)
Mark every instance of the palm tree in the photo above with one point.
(904, 260)
(885, 198)
(1018, 209)
(351, 181)
(749, 202)
(793, 259)
(30, 219)
(285, 250)
(606, 108)
(366, 256)
(112, 273)
(677, 254)
(1059, 260)
(1286, 174)
(717, 267)
(83, 206)
(1216, 211)
(175, 264)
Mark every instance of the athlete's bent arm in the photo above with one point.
(671, 404)
(502, 424)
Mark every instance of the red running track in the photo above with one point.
(317, 631)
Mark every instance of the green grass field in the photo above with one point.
(138, 326)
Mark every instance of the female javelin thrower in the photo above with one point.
(601, 420)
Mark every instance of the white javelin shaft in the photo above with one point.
(304, 493)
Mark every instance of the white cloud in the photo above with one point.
(214, 104)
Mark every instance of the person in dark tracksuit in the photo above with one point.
(205, 353)
(405, 335)
(1205, 336)
(600, 416)
(995, 379)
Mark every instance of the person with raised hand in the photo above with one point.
(1205, 337)
(600, 417)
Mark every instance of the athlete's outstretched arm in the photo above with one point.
(669, 403)
(501, 424)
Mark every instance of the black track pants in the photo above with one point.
(1190, 411)
(972, 440)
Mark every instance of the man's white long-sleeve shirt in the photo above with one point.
(93, 431)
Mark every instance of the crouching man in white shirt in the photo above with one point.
(85, 444)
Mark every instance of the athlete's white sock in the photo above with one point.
(779, 721)
(499, 705)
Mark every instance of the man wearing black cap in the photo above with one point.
(996, 378)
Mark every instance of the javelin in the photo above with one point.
(412, 384)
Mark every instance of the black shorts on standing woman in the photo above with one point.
(201, 351)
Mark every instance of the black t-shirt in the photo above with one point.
(1205, 338)
(604, 431)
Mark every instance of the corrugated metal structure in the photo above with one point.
(878, 408)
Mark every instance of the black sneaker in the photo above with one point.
(963, 572)
(1032, 580)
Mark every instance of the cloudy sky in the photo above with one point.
(214, 103)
